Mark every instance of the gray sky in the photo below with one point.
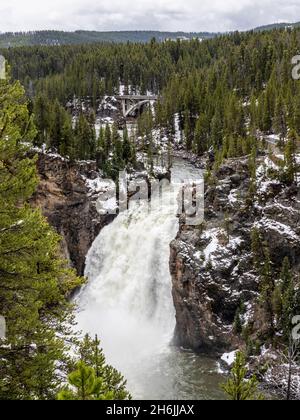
(171, 15)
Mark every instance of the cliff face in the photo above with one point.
(212, 265)
(67, 195)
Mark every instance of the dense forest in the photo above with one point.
(223, 93)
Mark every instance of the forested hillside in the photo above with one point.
(51, 37)
(19, 39)
(224, 92)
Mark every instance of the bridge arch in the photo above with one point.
(136, 107)
(131, 103)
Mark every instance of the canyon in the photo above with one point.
(209, 267)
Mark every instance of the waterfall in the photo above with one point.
(128, 299)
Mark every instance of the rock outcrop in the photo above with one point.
(212, 265)
(67, 195)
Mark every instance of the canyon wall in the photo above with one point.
(212, 265)
(67, 194)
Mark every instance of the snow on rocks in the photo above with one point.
(284, 230)
(105, 192)
(232, 198)
(266, 185)
(220, 248)
(213, 244)
(229, 358)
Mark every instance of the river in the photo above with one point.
(128, 302)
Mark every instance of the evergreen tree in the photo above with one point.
(280, 124)
(238, 387)
(296, 115)
(57, 119)
(216, 130)
(289, 157)
(92, 356)
(127, 154)
(288, 298)
(238, 325)
(85, 138)
(256, 248)
(66, 147)
(200, 140)
(267, 289)
(252, 169)
(188, 130)
(41, 118)
(34, 283)
(108, 141)
(101, 150)
(85, 386)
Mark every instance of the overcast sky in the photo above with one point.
(171, 15)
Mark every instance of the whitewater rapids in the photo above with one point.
(128, 299)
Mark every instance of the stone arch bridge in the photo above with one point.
(131, 103)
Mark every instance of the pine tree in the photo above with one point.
(93, 378)
(216, 129)
(150, 153)
(108, 141)
(85, 139)
(201, 131)
(288, 297)
(289, 157)
(34, 283)
(256, 248)
(66, 147)
(252, 170)
(296, 115)
(238, 387)
(127, 154)
(188, 130)
(85, 386)
(56, 118)
(279, 123)
(41, 118)
(117, 162)
(267, 289)
(266, 113)
(238, 324)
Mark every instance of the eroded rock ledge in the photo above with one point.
(67, 195)
(212, 265)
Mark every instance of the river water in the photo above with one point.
(128, 302)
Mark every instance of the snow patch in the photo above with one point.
(213, 245)
(229, 358)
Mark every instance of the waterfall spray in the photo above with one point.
(128, 300)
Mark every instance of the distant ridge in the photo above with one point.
(282, 25)
(49, 37)
(17, 39)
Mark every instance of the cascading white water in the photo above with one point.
(128, 300)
